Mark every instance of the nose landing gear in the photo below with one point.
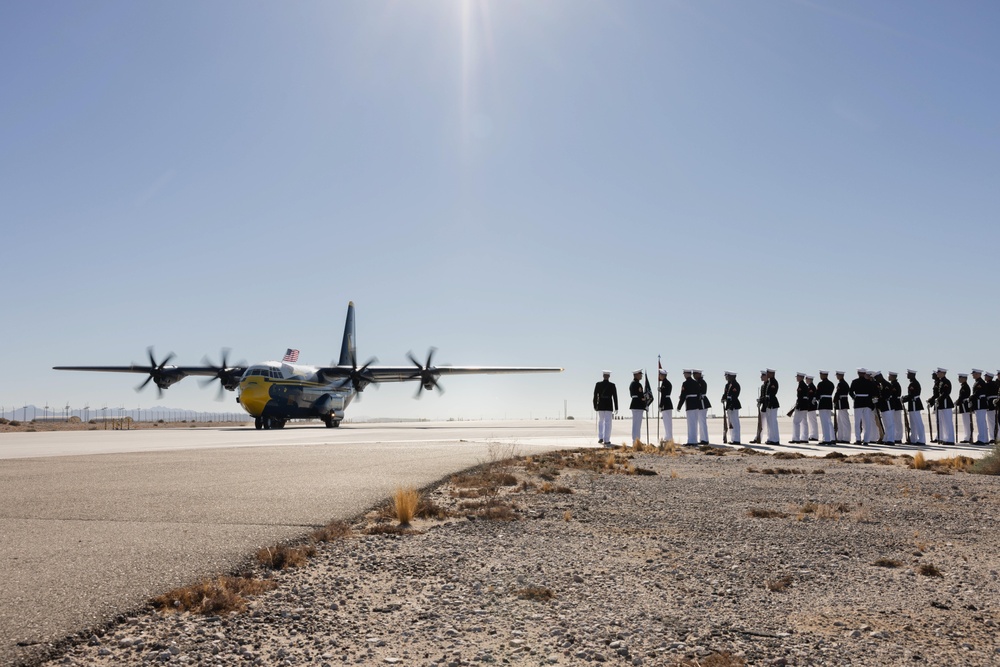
(268, 423)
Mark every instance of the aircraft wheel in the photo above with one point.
(258, 423)
(332, 423)
(278, 423)
(267, 423)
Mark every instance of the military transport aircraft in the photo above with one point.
(275, 391)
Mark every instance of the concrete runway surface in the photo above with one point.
(95, 523)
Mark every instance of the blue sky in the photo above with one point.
(586, 184)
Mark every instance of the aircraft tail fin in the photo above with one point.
(348, 352)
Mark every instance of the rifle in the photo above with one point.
(878, 423)
(725, 421)
(906, 421)
(760, 423)
(930, 422)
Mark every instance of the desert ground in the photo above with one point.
(667, 556)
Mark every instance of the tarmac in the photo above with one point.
(94, 524)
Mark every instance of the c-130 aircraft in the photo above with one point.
(275, 391)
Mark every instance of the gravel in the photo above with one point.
(714, 560)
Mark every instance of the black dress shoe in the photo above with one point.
(772, 442)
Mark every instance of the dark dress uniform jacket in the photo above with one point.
(913, 402)
(771, 394)
(606, 396)
(703, 388)
(840, 399)
(666, 403)
(895, 395)
(964, 392)
(862, 390)
(824, 392)
(979, 399)
(943, 400)
(690, 396)
(802, 396)
(638, 400)
(731, 396)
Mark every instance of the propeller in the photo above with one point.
(428, 378)
(223, 373)
(358, 377)
(156, 372)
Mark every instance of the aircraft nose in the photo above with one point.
(253, 397)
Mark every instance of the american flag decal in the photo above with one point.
(291, 356)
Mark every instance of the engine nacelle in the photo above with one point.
(327, 404)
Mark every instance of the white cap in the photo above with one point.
(637, 371)
(605, 372)
(730, 373)
(841, 373)
(942, 370)
(763, 372)
(862, 370)
(810, 377)
(771, 370)
(893, 373)
(800, 374)
(824, 372)
(977, 370)
(910, 370)
(876, 373)
(662, 371)
(696, 370)
(686, 371)
(963, 375)
(988, 374)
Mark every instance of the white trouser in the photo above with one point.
(889, 425)
(898, 425)
(864, 421)
(703, 425)
(668, 425)
(981, 423)
(966, 419)
(991, 424)
(734, 425)
(947, 428)
(811, 421)
(637, 423)
(844, 424)
(826, 424)
(771, 416)
(799, 426)
(917, 435)
(604, 425)
(692, 423)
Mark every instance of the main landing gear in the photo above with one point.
(331, 422)
(268, 423)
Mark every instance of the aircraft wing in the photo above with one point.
(163, 375)
(426, 374)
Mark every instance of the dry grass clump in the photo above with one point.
(783, 471)
(335, 530)
(765, 514)
(712, 451)
(929, 570)
(750, 451)
(778, 585)
(283, 556)
(214, 596)
(788, 455)
(404, 504)
(428, 509)
(888, 562)
(989, 464)
(548, 487)
(880, 458)
(535, 593)
(919, 462)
